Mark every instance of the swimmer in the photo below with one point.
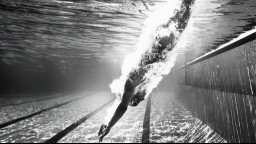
(156, 54)
(128, 99)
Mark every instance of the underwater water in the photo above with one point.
(59, 58)
(47, 40)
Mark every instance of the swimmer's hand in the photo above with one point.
(104, 130)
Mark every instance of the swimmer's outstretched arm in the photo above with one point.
(121, 109)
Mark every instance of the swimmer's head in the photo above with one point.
(134, 102)
(137, 99)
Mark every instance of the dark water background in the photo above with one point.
(69, 45)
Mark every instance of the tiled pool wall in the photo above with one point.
(221, 91)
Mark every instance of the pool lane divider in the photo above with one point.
(3, 125)
(73, 126)
(146, 122)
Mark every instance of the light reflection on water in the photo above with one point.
(107, 30)
(61, 29)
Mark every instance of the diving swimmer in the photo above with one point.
(164, 40)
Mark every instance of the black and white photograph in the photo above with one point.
(127, 71)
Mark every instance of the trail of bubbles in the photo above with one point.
(155, 54)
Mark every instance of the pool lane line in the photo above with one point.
(73, 126)
(146, 122)
(3, 125)
(36, 100)
(31, 101)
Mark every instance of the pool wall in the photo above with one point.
(221, 90)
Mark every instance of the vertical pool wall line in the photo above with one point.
(219, 88)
